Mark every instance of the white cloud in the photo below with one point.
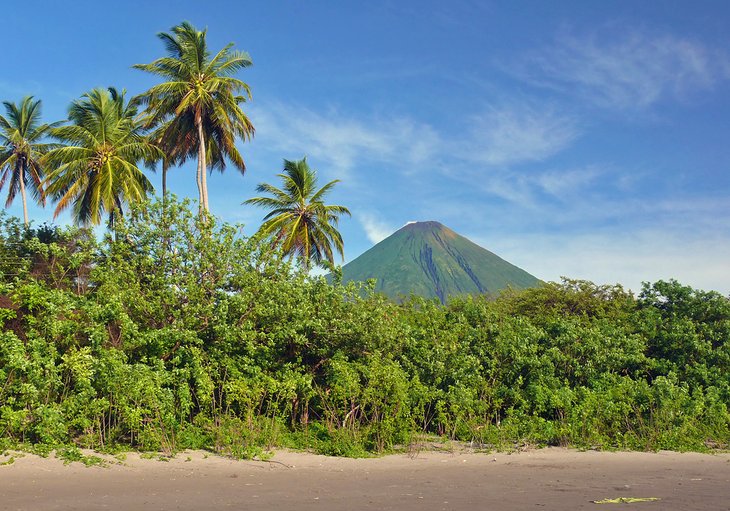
(375, 228)
(509, 186)
(506, 134)
(611, 240)
(532, 189)
(566, 182)
(628, 258)
(344, 142)
(633, 70)
(517, 133)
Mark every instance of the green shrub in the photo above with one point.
(179, 332)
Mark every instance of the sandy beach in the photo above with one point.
(552, 478)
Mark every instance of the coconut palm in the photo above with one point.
(198, 108)
(179, 143)
(21, 151)
(96, 168)
(298, 220)
(172, 143)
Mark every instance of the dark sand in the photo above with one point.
(556, 479)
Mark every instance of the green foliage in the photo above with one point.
(197, 109)
(178, 332)
(72, 454)
(299, 222)
(95, 170)
(21, 151)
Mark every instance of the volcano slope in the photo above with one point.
(428, 259)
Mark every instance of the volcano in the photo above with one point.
(428, 259)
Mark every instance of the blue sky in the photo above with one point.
(589, 139)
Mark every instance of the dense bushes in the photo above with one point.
(176, 332)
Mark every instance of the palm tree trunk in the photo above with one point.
(164, 180)
(202, 170)
(114, 216)
(22, 196)
(166, 236)
(164, 194)
(200, 187)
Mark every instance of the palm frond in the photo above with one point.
(21, 158)
(97, 171)
(199, 91)
(298, 220)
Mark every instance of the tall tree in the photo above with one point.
(96, 168)
(175, 146)
(21, 151)
(198, 108)
(298, 219)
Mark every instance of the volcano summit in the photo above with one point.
(430, 260)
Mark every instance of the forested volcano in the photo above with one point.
(429, 259)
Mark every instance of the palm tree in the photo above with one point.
(172, 143)
(178, 144)
(21, 151)
(298, 220)
(96, 168)
(198, 108)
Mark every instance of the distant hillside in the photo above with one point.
(429, 259)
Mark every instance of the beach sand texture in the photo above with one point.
(548, 479)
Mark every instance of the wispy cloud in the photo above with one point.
(564, 183)
(631, 70)
(537, 188)
(580, 206)
(605, 257)
(515, 133)
(344, 141)
(612, 238)
(511, 133)
(375, 228)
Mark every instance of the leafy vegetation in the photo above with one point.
(180, 332)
